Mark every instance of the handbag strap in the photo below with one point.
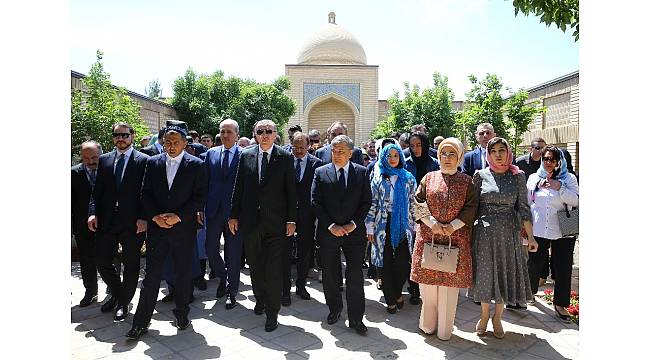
(449, 241)
(566, 209)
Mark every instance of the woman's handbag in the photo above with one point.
(440, 257)
(569, 221)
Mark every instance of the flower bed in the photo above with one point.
(574, 304)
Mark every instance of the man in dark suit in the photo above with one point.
(325, 153)
(477, 158)
(157, 147)
(83, 181)
(116, 215)
(341, 199)
(304, 165)
(264, 211)
(221, 164)
(173, 192)
(292, 130)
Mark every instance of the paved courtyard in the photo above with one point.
(304, 333)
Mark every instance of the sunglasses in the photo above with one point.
(314, 141)
(122, 135)
(549, 159)
(537, 147)
(267, 131)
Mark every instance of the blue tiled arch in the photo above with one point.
(312, 91)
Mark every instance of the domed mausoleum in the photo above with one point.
(331, 81)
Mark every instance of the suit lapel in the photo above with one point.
(234, 159)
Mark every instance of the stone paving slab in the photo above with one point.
(304, 333)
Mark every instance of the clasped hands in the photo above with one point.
(233, 226)
(166, 220)
(342, 230)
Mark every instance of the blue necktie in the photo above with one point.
(342, 179)
(118, 171)
(224, 163)
(298, 170)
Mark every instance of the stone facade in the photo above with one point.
(154, 113)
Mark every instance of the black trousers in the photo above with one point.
(396, 269)
(305, 248)
(353, 248)
(180, 245)
(106, 244)
(562, 250)
(85, 240)
(264, 253)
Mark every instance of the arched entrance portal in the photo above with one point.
(321, 113)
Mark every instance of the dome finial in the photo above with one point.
(332, 17)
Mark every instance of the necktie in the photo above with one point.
(342, 179)
(224, 163)
(119, 167)
(298, 170)
(265, 165)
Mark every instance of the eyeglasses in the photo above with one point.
(263, 131)
(447, 154)
(122, 135)
(481, 133)
(549, 159)
(537, 147)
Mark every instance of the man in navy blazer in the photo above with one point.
(221, 164)
(304, 166)
(117, 217)
(341, 199)
(173, 192)
(476, 159)
(264, 211)
(325, 153)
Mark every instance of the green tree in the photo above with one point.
(204, 100)
(432, 107)
(563, 13)
(484, 104)
(100, 105)
(153, 90)
(518, 115)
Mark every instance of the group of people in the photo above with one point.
(387, 202)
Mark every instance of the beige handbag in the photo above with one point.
(440, 257)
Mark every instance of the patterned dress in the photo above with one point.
(500, 270)
(448, 197)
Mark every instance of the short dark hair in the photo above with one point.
(295, 128)
(193, 133)
(537, 140)
(161, 132)
(206, 136)
(122, 123)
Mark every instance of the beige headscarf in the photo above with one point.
(458, 148)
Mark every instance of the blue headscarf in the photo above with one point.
(399, 220)
(560, 172)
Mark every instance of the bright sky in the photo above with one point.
(409, 40)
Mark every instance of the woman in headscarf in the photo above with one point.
(445, 211)
(390, 222)
(499, 267)
(550, 189)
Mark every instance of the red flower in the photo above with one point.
(548, 292)
(573, 310)
(574, 294)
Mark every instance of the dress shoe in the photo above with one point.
(391, 309)
(359, 327)
(213, 275)
(182, 322)
(109, 305)
(88, 299)
(271, 323)
(230, 301)
(364, 265)
(168, 298)
(121, 312)
(259, 309)
(135, 332)
(497, 329)
(414, 300)
(400, 304)
(542, 282)
(333, 317)
(302, 292)
(200, 283)
(378, 284)
(221, 290)
(286, 300)
(563, 315)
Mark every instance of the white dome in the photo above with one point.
(332, 45)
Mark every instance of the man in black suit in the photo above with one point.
(116, 216)
(477, 158)
(325, 153)
(341, 199)
(173, 192)
(264, 210)
(83, 181)
(304, 167)
(157, 147)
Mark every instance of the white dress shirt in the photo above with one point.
(171, 167)
(547, 203)
(303, 165)
(231, 152)
(259, 161)
(127, 154)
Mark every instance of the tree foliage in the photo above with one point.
(153, 90)
(432, 107)
(518, 115)
(100, 105)
(203, 100)
(563, 13)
